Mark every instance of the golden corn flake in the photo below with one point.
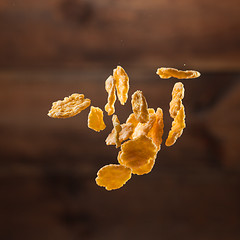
(177, 127)
(156, 131)
(144, 128)
(69, 106)
(95, 119)
(172, 72)
(117, 129)
(177, 96)
(110, 88)
(122, 84)
(113, 176)
(137, 152)
(140, 107)
(125, 133)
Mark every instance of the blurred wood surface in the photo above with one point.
(50, 49)
(202, 34)
(48, 166)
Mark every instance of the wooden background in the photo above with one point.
(88, 33)
(50, 49)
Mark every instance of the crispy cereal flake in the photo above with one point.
(95, 119)
(136, 153)
(117, 129)
(122, 84)
(69, 106)
(110, 84)
(177, 127)
(177, 96)
(140, 107)
(172, 72)
(113, 176)
(156, 131)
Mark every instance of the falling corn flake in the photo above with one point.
(117, 129)
(95, 119)
(140, 107)
(69, 106)
(156, 131)
(177, 96)
(110, 84)
(177, 112)
(166, 73)
(136, 153)
(122, 84)
(177, 127)
(113, 176)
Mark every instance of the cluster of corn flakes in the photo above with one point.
(140, 138)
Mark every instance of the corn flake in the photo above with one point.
(177, 96)
(172, 72)
(136, 153)
(122, 84)
(117, 129)
(95, 119)
(177, 127)
(69, 106)
(113, 176)
(140, 107)
(110, 88)
(156, 131)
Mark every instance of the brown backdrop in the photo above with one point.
(50, 49)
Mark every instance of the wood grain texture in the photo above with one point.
(202, 34)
